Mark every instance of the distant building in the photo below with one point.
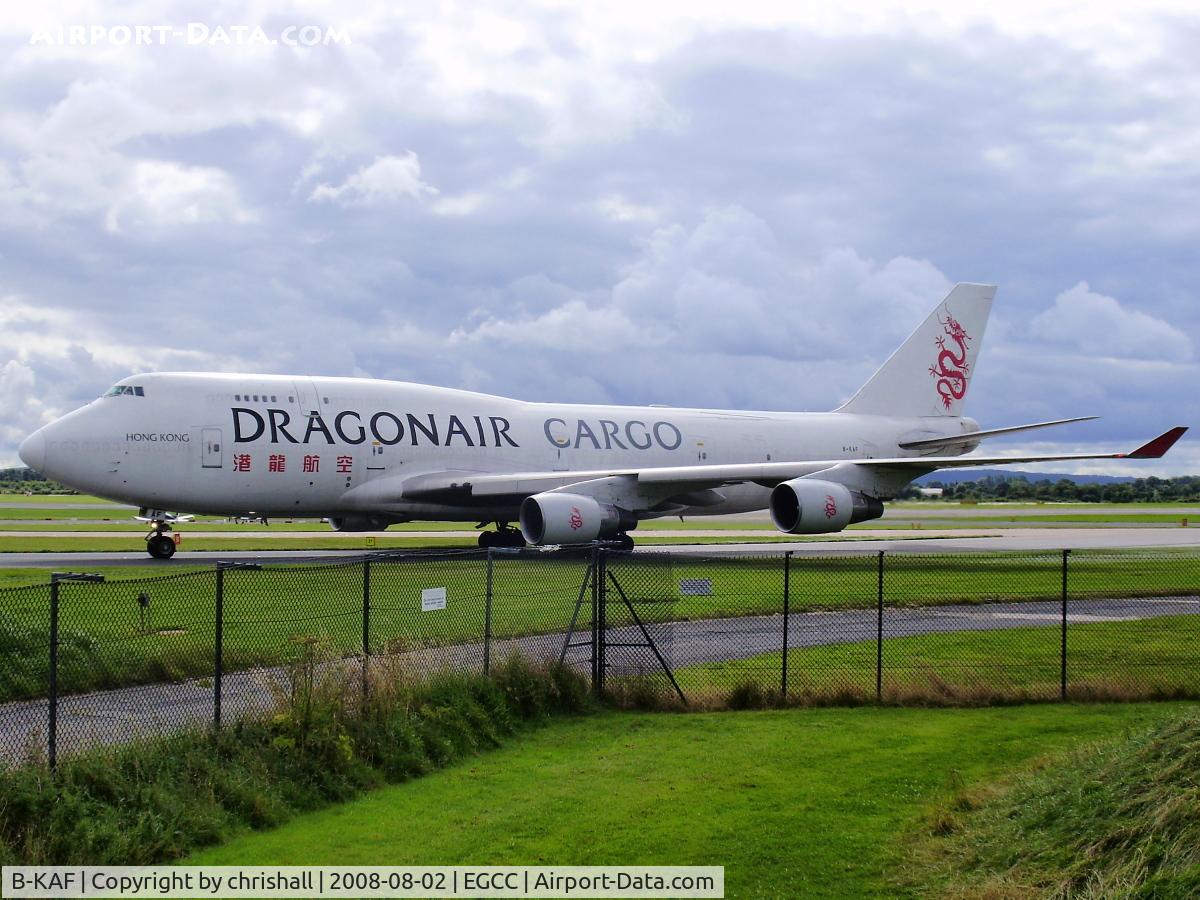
(930, 492)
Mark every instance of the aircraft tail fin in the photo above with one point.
(930, 373)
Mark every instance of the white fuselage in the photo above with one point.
(307, 446)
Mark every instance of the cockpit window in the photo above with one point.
(119, 389)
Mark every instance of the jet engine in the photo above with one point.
(554, 518)
(360, 523)
(808, 506)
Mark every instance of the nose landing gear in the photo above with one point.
(160, 543)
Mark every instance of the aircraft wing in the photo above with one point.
(465, 487)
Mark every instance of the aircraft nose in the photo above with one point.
(33, 450)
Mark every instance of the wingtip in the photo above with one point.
(1159, 446)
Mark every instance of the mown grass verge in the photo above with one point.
(158, 800)
(1115, 819)
(793, 803)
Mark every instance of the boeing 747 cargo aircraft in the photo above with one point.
(366, 454)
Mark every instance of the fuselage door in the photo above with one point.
(211, 451)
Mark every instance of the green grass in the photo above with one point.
(52, 515)
(793, 803)
(1035, 504)
(267, 612)
(155, 800)
(22, 577)
(998, 521)
(33, 499)
(1116, 819)
(1147, 658)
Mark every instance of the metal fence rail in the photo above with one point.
(88, 663)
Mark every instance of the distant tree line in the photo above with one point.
(27, 481)
(1020, 488)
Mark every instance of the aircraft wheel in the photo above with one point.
(487, 539)
(161, 547)
(624, 543)
(514, 539)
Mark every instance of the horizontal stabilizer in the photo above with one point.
(970, 437)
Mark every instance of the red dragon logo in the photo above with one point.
(951, 367)
(830, 506)
(576, 519)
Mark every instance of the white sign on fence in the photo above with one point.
(433, 598)
(695, 587)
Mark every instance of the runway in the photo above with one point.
(856, 542)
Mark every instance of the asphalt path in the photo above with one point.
(107, 718)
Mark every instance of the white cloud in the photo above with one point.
(567, 329)
(459, 204)
(1097, 325)
(386, 180)
(24, 409)
(621, 209)
(165, 194)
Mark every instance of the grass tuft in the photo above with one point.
(1121, 818)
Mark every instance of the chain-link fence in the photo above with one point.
(89, 662)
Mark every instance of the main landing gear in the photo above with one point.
(159, 543)
(503, 536)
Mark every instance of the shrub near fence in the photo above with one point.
(89, 663)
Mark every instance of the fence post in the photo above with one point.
(487, 617)
(218, 646)
(1063, 672)
(599, 599)
(595, 618)
(787, 591)
(366, 630)
(879, 630)
(52, 700)
(52, 708)
(219, 636)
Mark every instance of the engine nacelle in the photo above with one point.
(359, 523)
(808, 506)
(554, 518)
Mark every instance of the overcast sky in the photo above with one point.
(730, 205)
